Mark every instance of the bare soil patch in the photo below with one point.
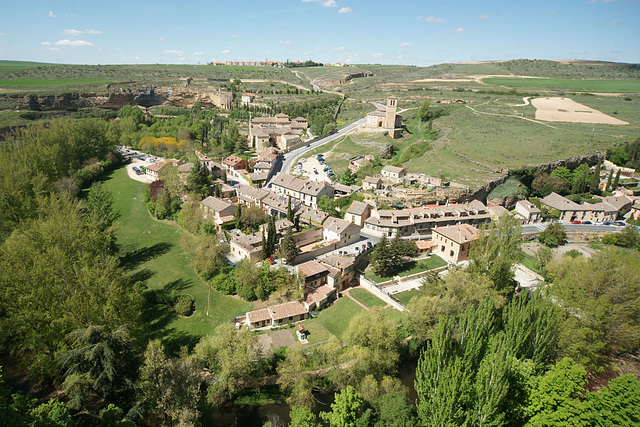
(568, 110)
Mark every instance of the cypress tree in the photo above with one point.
(594, 185)
(615, 181)
(606, 187)
(289, 210)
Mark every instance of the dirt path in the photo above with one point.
(346, 292)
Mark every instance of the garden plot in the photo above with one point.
(567, 110)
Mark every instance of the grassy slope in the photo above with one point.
(612, 86)
(155, 255)
(367, 298)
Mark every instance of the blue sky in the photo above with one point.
(354, 31)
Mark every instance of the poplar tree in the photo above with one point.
(594, 185)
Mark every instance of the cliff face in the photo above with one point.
(116, 99)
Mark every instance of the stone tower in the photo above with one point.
(392, 109)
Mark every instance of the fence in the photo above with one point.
(371, 287)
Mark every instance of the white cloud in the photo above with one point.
(173, 51)
(287, 42)
(614, 21)
(485, 16)
(338, 48)
(405, 44)
(45, 43)
(198, 53)
(52, 15)
(431, 19)
(73, 43)
(3, 34)
(458, 30)
(325, 3)
(377, 55)
(226, 51)
(235, 36)
(345, 10)
(54, 49)
(76, 33)
(318, 49)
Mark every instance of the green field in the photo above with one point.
(51, 82)
(592, 85)
(405, 297)
(367, 298)
(152, 252)
(333, 320)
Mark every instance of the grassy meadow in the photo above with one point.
(599, 85)
(152, 252)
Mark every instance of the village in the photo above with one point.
(331, 252)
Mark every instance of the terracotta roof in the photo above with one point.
(556, 201)
(252, 193)
(312, 214)
(288, 309)
(529, 207)
(216, 204)
(425, 244)
(358, 208)
(338, 261)
(312, 268)
(232, 160)
(393, 169)
(259, 315)
(372, 179)
(498, 210)
(338, 225)
(618, 202)
(460, 233)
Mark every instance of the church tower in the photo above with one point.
(392, 109)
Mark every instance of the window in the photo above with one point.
(451, 253)
(290, 317)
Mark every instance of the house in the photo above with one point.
(247, 98)
(221, 211)
(454, 242)
(497, 211)
(419, 222)
(360, 161)
(308, 192)
(154, 169)
(251, 196)
(278, 205)
(528, 211)
(345, 265)
(393, 172)
(263, 130)
(371, 183)
(635, 211)
(340, 190)
(285, 142)
(311, 216)
(568, 210)
(335, 229)
(247, 247)
(226, 191)
(358, 213)
(234, 163)
(276, 315)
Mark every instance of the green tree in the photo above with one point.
(169, 388)
(557, 399)
(545, 184)
(618, 403)
(594, 183)
(346, 409)
(616, 180)
(289, 209)
(272, 235)
(381, 257)
(100, 206)
(564, 174)
(347, 177)
(423, 112)
(294, 378)
(289, 247)
(496, 250)
(99, 364)
(198, 180)
(191, 216)
(246, 275)
(302, 416)
(208, 253)
(491, 386)
(607, 186)
(554, 235)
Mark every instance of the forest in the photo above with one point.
(75, 321)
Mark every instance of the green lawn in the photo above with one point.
(409, 268)
(152, 252)
(593, 85)
(334, 319)
(367, 298)
(405, 297)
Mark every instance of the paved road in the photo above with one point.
(289, 158)
(536, 228)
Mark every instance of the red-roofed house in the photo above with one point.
(453, 242)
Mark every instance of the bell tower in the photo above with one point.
(392, 109)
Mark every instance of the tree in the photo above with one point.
(545, 184)
(302, 416)
(246, 275)
(616, 180)
(169, 388)
(423, 112)
(272, 235)
(554, 235)
(557, 397)
(198, 180)
(346, 409)
(208, 253)
(381, 257)
(607, 186)
(289, 247)
(289, 209)
(191, 216)
(99, 361)
(544, 254)
(294, 379)
(347, 177)
(564, 174)
(618, 403)
(100, 206)
(594, 184)
(496, 250)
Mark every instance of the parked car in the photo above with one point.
(270, 260)
(364, 247)
(302, 160)
(606, 223)
(369, 245)
(587, 222)
(619, 223)
(576, 222)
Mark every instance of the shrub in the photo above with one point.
(185, 305)
(573, 253)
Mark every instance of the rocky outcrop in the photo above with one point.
(482, 192)
(573, 162)
(349, 77)
(117, 98)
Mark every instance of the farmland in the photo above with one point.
(601, 85)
